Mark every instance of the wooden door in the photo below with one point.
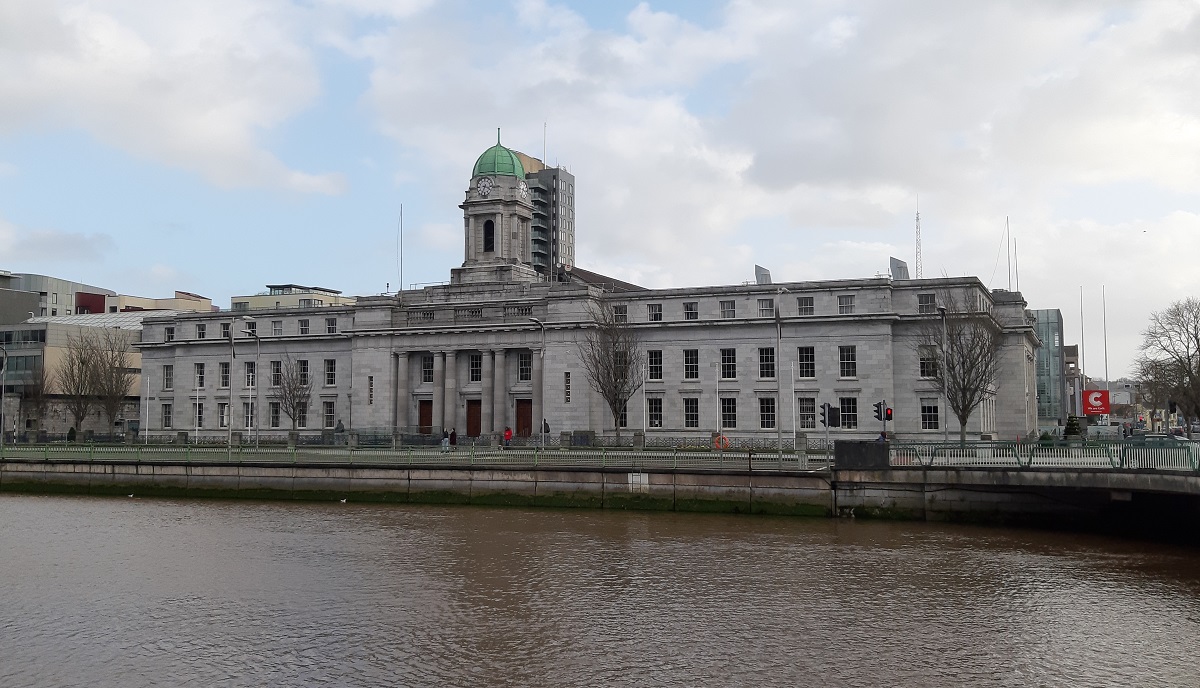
(474, 414)
(524, 417)
(425, 414)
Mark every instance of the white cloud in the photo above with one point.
(188, 84)
(47, 246)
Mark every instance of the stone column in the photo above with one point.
(403, 396)
(500, 393)
(487, 424)
(451, 395)
(538, 409)
(502, 241)
(439, 387)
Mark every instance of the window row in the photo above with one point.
(283, 373)
(805, 365)
(806, 413)
(276, 413)
(766, 308)
(249, 328)
(475, 367)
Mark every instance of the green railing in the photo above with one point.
(1173, 456)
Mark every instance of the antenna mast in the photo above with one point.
(919, 270)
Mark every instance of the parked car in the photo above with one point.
(1157, 450)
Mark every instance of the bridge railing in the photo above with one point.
(1175, 456)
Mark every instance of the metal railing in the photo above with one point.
(1174, 456)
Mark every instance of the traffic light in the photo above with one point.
(879, 405)
(887, 414)
(825, 415)
(830, 416)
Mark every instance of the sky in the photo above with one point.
(218, 146)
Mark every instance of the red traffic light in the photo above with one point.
(887, 414)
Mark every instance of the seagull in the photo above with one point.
(343, 501)
(131, 496)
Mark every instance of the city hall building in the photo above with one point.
(499, 347)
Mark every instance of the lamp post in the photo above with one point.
(945, 382)
(542, 382)
(778, 369)
(254, 380)
(3, 368)
(229, 406)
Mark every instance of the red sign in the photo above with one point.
(1095, 402)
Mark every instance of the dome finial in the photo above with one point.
(497, 136)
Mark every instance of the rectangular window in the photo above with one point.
(251, 374)
(849, 409)
(201, 331)
(766, 413)
(301, 414)
(223, 371)
(766, 361)
(168, 377)
(623, 416)
(199, 375)
(427, 368)
(654, 312)
(728, 310)
(691, 412)
(302, 326)
(654, 364)
(166, 416)
(929, 414)
(328, 411)
(806, 413)
(475, 368)
(302, 371)
(277, 328)
(198, 414)
(846, 304)
(248, 414)
(804, 305)
(620, 312)
(728, 364)
(729, 412)
(566, 388)
(928, 365)
(168, 333)
(691, 310)
(654, 412)
(766, 308)
(525, 366)
(330, 372)
(849, 361)
(222, 415)
(927, 303)
(806, 362)
(276, 373)
(691, 364)
(330, 325)
(226, 328)
(273, 412)
(251, 328)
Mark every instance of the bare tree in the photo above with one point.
(76, 377)
(35, 392)
(1170, 360)
(966, 343)
(612, 357)
(294, 390)
(114, 377)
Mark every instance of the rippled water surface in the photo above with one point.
(132, 592)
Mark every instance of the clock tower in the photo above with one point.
(497, 214)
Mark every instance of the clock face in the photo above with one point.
(485, 185)
(523, 189)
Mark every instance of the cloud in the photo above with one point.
(189, 84)
(50, 246)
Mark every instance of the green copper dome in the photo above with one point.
(499, 161)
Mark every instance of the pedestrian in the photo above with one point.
(445, 440)
(507, 435)
(882, 437)
(453, 439)
(545, 426)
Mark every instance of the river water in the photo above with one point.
(133, 592)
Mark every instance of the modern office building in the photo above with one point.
(290, 296)
(500, 347)
(55, 296)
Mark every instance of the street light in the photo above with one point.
(229, 406)
(254, 381)
(945, 383)
(542, 391)
(778, 369)
(3, 368)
